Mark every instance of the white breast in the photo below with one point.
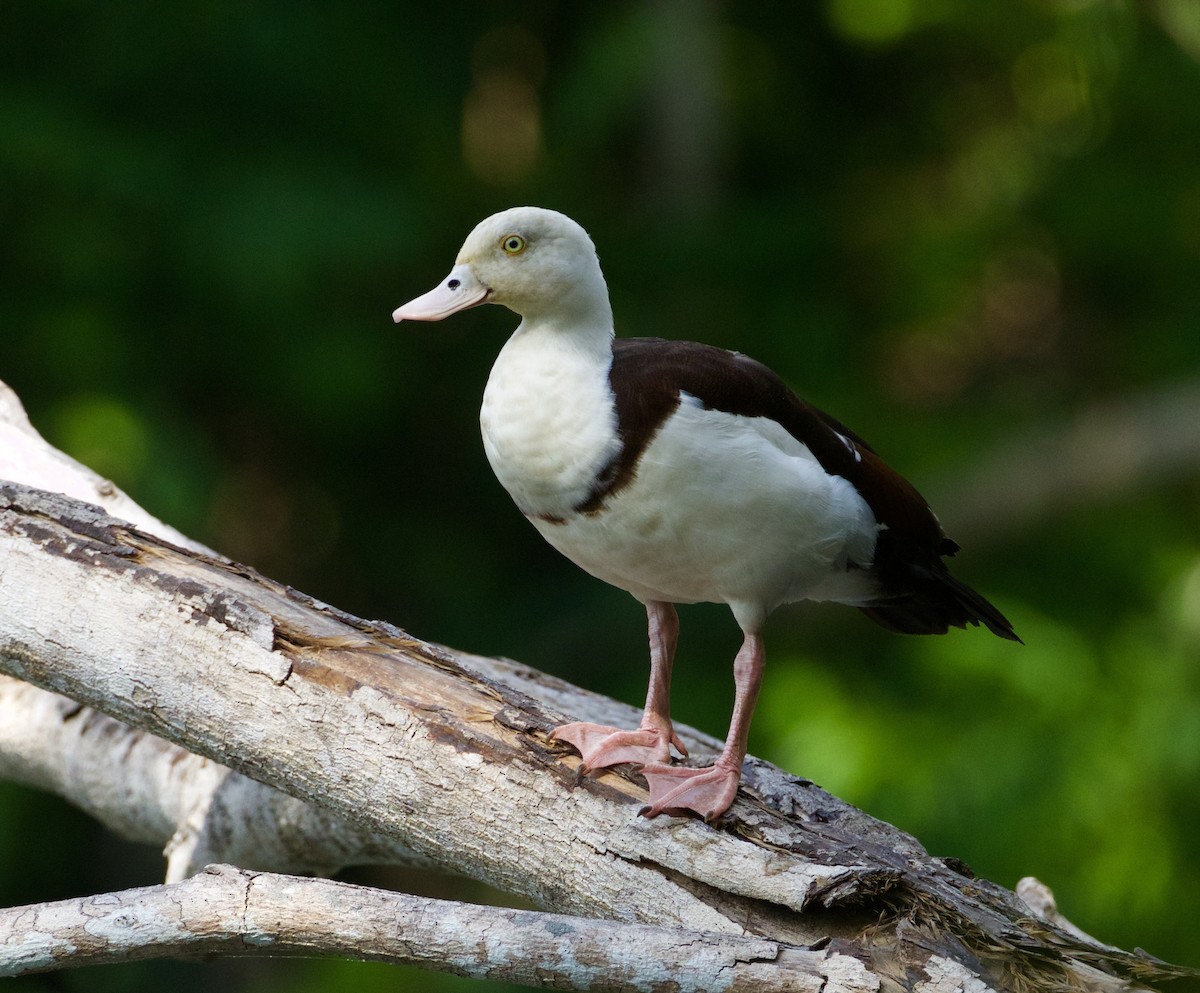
(548, 421)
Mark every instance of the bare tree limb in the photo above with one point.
(419, 743)
(26, 457)
(233, 911)
(148, 790)
(448, 756)
(142, 787)
(406, 740)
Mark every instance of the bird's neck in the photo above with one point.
(574, 307)
(584, 328)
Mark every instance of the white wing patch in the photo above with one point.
(850, 445)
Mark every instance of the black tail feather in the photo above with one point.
(937, 603)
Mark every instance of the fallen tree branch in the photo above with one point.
(148, 790)
(140, 786)
(293, 693)
(448, 756)
(231, 911)
(406, 740)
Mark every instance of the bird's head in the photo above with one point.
(536, 262)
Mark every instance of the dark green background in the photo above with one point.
(955, 224)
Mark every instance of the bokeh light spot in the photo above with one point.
(104, 434)
(871, 21)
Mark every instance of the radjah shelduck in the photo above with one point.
(684, 473)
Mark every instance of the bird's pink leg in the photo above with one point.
(601, 745)
(709, 792)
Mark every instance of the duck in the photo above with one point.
(682, 472)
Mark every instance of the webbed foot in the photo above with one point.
(680, 790)
(602, 746)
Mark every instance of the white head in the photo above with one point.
(536, 262)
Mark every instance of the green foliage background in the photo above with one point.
(955, 224)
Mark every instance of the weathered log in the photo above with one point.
(252, 723)
(411, 741)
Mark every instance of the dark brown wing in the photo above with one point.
(920, 596)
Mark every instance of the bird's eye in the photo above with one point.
(513, 244)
